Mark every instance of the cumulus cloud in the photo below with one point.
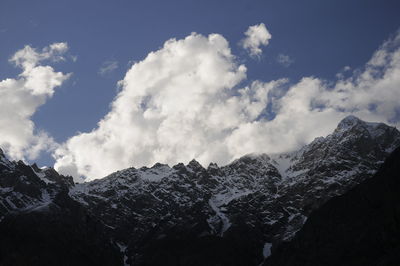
(173, 104)
(108, 67)
(256, 36)
(20, 98)
(312, 107)
(284, 60)
(186, 101)
(373, 93)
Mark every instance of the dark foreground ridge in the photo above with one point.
(361, 227)
(185, 214)
(63, 233)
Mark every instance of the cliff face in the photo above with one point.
(360, 227)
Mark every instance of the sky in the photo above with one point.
(91, 87)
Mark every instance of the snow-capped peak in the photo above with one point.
(195, 165)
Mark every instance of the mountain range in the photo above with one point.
(237, 214)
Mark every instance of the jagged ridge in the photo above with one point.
(236, 209)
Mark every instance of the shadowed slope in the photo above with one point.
(361, 227)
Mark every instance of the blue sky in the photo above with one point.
(320, 38)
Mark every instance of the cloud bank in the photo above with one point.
(256, 36)
(22, 96)
(186, 101)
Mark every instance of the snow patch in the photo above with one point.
(229, 195)
(267, 250)
(123, 248)
(42, 176)
(282, 163)
(224, 219)
(155, 174)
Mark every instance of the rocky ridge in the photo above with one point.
(360, 227)
(229, 215)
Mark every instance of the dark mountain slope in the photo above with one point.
(361, 227)
(237, 209)
(185, 214)
(41, 225)
(60, 233)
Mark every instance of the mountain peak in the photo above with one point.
(349, 121)
(195, 165)
(372, 129)
(212, 166)
(4, 160)
(259, 158)
(159, 165)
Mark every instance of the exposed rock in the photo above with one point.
(191, 215)
(360, 227)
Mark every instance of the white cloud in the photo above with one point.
(312, 108)
(284, 60)
(108, 67)
(22, 96)
(256, 36)
(27, 58)
(343, 72)
(184, 101)
(175, 105)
